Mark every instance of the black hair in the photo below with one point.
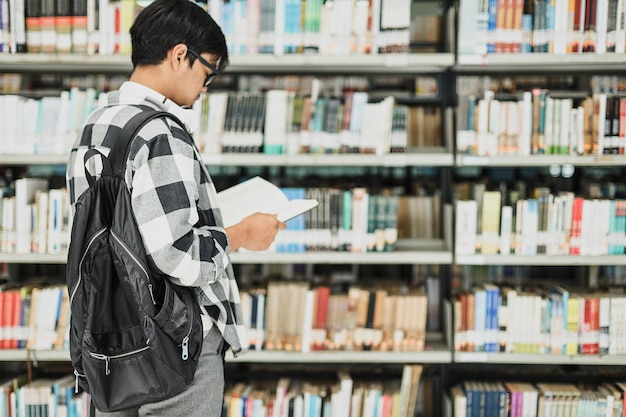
(166, 23)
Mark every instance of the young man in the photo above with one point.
(177, 49)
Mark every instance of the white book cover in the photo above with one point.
(259, 195)
(530, 220)
(276, 121)
(307, 323)
(602, 10)
(25, 191)
(619, 31)
(465, 227)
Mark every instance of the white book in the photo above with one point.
(525, 130)
(601, 230)
(619, 27)
(465, 227)
(307, 324)
(7, 238)
(530, 220)
(215, 123)
(467, 15)
(602, 10)
(259, 195)
(25, 191)
(359, 101)
(276, 121)
(18, 24)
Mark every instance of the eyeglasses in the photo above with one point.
(215, 72)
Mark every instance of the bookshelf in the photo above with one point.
(408, 253)
(530, 273)
(437, 355)
(448, 67)
(388, 64)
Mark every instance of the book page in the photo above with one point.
(258, 195)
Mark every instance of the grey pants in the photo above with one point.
(203, 398)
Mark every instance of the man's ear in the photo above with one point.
(177, 55)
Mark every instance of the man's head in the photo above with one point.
(180, 39)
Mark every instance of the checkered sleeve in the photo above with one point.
(165, 195)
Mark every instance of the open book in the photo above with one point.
(259, 195)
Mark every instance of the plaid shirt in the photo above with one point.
(169, 183)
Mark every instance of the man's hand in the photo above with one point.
(255, 232)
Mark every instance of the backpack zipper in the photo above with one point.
(107, 358)
(80, 265)
(76, 387)
(137, 262)
(185, 342)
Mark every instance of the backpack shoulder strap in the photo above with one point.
(119, 152)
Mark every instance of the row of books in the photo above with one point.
(284, 397)
(286, 122)
(34, 219)
(238, 122)
(541, 124)
(339, 397)
(283, 316)
(252, 26)
(525, 26)
(357, 220)
(556, 321)
(34, 316)
(525, 399)
(552, 224)
(46, 125)
(294, 316)
(42, 397)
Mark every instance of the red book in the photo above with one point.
(577, 214)
(590, 327)
(7, 322)
(321, 318)
(16, 302)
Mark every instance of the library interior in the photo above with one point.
(460, 245)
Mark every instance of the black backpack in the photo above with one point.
(135, 337)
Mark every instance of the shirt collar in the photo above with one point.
(132, 93)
